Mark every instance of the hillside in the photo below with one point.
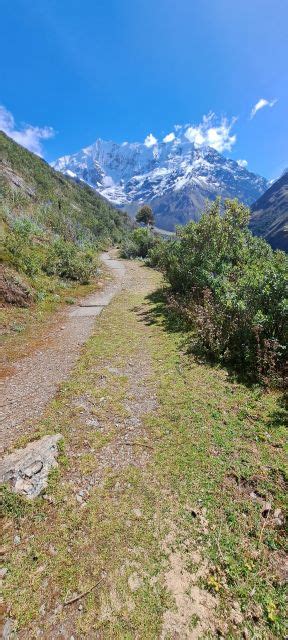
(270, 214)
(174, 177)
(27, 182)
(52, 229)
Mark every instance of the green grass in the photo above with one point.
(221, 444)
(214, 441)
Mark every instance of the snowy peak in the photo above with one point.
(128, 174)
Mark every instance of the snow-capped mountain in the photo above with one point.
(174, 177)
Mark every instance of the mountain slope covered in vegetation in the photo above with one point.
(29, 185)
(51, 231)
(270, 214)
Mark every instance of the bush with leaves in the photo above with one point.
(138, 244)
(231, 286)
(23, 246)
(67, 261)
(33, 252)
(157, 252)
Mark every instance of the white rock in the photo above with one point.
(7, 629)
(26, 470)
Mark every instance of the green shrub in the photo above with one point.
(138, 243)
(67, 261)
(231, 286)
(157, 253)
(145, 215)
(23, 246)
(32, 252)
(128, 249)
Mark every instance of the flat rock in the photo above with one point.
(26, 470)
(8, 630)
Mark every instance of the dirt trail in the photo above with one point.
(145, 530)
(35, 378)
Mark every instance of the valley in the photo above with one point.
(143, 320)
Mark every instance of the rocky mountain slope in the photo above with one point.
(175, 177)
(269, 214)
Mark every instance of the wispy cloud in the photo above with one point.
(242, 163)
(27, 135)
(150, 140)
(212, 132)
(260, 104)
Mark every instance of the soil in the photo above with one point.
(13, 289)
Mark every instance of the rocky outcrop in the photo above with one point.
(26, 470)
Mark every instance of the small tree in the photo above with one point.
(145, 215)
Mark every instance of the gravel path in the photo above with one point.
(36, 378)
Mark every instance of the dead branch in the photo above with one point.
(139, 444)
(81, 595)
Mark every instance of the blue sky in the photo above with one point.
(122, 69)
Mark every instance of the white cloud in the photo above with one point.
(242, 163)
(260, 104)
(150, 140)
(170, 137)
(194, 134)
(212, 133)
(28, 136)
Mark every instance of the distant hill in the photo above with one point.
(28, 184)
(175, 177)
(269, 214)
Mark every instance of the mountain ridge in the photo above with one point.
(174, 177)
